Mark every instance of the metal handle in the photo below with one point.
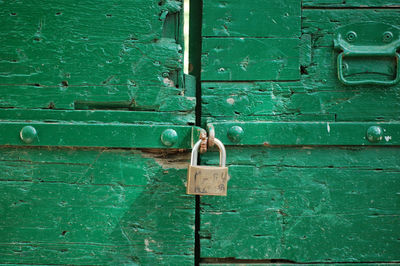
(368, 81)
(222, 152)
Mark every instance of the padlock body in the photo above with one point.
(207, 180)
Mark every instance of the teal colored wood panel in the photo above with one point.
(336, 204)
(322, 24)
(299, 101)
(351, 3)
(250, 59)
(107, 97)
(276, 18)
(99, 116)
(94, 207)
(318, 95)
(56, 54)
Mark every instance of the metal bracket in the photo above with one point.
(98, 135)
(307, 133)
(369, 39)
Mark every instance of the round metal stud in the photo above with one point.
(169, 137)
(235, 133)
(28, 134)
(351, 36)
(387, 36)
(374, 134)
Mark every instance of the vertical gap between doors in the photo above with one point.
(193, 24)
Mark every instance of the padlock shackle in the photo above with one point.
(222, 153)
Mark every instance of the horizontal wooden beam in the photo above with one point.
(111, 135)
(308, 133)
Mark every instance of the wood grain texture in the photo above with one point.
(250, 59)
(94, 207)
(306, 205)
(99, 116)
(351, 3)
(291, 101)
(318, 95)
(56, 54)
(257, 18)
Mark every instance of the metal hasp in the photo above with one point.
(98, 135)
(308, 133)
(368, 40)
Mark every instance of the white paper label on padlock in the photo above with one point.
(207, 180)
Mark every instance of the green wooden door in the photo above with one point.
(307, 185)
(97, 121)
(98, 78)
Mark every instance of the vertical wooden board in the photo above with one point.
(257, 18)
(351, 3)
(306, 205)
(230, 59)
(94, 206)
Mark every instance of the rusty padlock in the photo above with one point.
(208, 180)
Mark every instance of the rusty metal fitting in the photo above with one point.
(211, 136)
(203, 144)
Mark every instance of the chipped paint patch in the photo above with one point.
(168, 82)
(146, 246)
(168, 159)
(231, 101)
(388, 138)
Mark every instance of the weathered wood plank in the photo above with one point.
(292, 101)
(145, 98)
(299, 200)
(56, 54)
(351, 3)
(91, 254)
(252, 18)
(105, 116)
(322, 23)
(319, 95)
(250, 59)
(94, 206)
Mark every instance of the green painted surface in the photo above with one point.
(306, 204)
(308, 133)
(351, 3)
(238, 18)
(254, 59)
(337, 204)
(319, 95)
(56, 55)
(94, 206)
(116, 65)
(294, 101)
(95, 116)
(96, 135)
(94, 73)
